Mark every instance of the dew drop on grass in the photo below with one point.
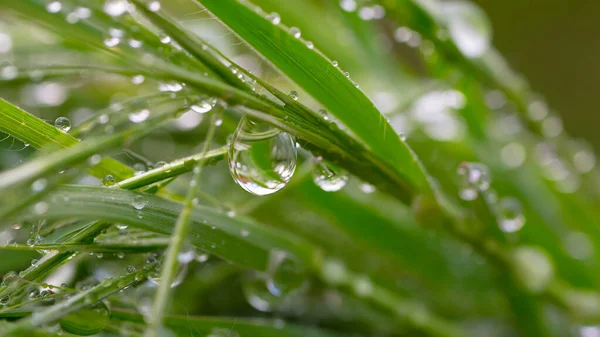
(284, 274)
(165, 38)
(510, 215)
(367, 188)
(130, 269)
(63, 124)
(274, 18)
(533, 268)
(182, 270)
(54, 6)
(474, 177)
(334, 272)
(115, 7)
(295, 31)
(362, 286)
(137, 79)
(204, 105)
(140, 116)
(39, 185)
(262, 159)
(154, 6)
(258, 296)
(87, 321)
(469, 27)
(139, 202)
(294, 95)
(328, 177)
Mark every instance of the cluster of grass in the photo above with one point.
(406, 181)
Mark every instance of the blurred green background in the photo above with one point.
(555, 44)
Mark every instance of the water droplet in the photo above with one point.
(513, 154)
(115, 7)
(348, 5)
(294, 95)
(140, 116)
(258, 296)
(552, 127)
(262, 159)
(334, 63)
(584, 161)
(54, 6)
(328, 177)
(133, 43)
(285, 275)
(137, 79)
(63, 124)
(310, 45)
(139, 202)
(362, 286)
(154, 6)
(40, 208)
(94, 159)
(469, 27)
(274, 18)
(8, 72)
(165, 38)
(182, 270)
(475, 177)
(112, 42)
(204, 105)
(86, 321)
(334, 272)
(510, 215)
(533, 268)
(367, 188)
(295, 31)
(39, 185)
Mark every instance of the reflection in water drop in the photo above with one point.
(262, 159)
(329, 177)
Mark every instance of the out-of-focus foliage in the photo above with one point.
(267, 168)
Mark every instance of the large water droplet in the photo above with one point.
(510, 215)
(63, 124)
(262, 159)
(475, 177)
(115, 7)
(140, 116)
(469, 27)
(328, 177)
(86, 321)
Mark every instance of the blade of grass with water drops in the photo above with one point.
(34, 131)
(325, 82)
(242, 326)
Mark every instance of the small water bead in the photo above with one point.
(205, 105)
(362, 286)
(475, 178)
(295, 31)
(584, 161)
(537, 110)
(40, 208)
(310, 44)
(137, 79)
(115, 7)
(367, 188)
(133, 43)
(262, 159)
(182, 270)
(130, 269)
(334, 272)
(469, 27)
(552, 127)
(348, 5)
(328, 177)
(165, 38)
(533, 268)
(294, 95)
(139, 116)
(258, 296)
(510, 215)
(86, 321)
(8, 72)
(334, 63)
(54, 7)
(39, 185)
(139, 202)
(112, 42)
(154, 6)
(274, 18)
(285, 275)
(63, 124)
(94, 159)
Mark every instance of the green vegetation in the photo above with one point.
(391, 175)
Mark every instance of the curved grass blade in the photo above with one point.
(325, 82)
(246, 327)
(236, 239)
(38, 134)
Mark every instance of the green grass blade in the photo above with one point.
(312, 71)
(38, 134)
